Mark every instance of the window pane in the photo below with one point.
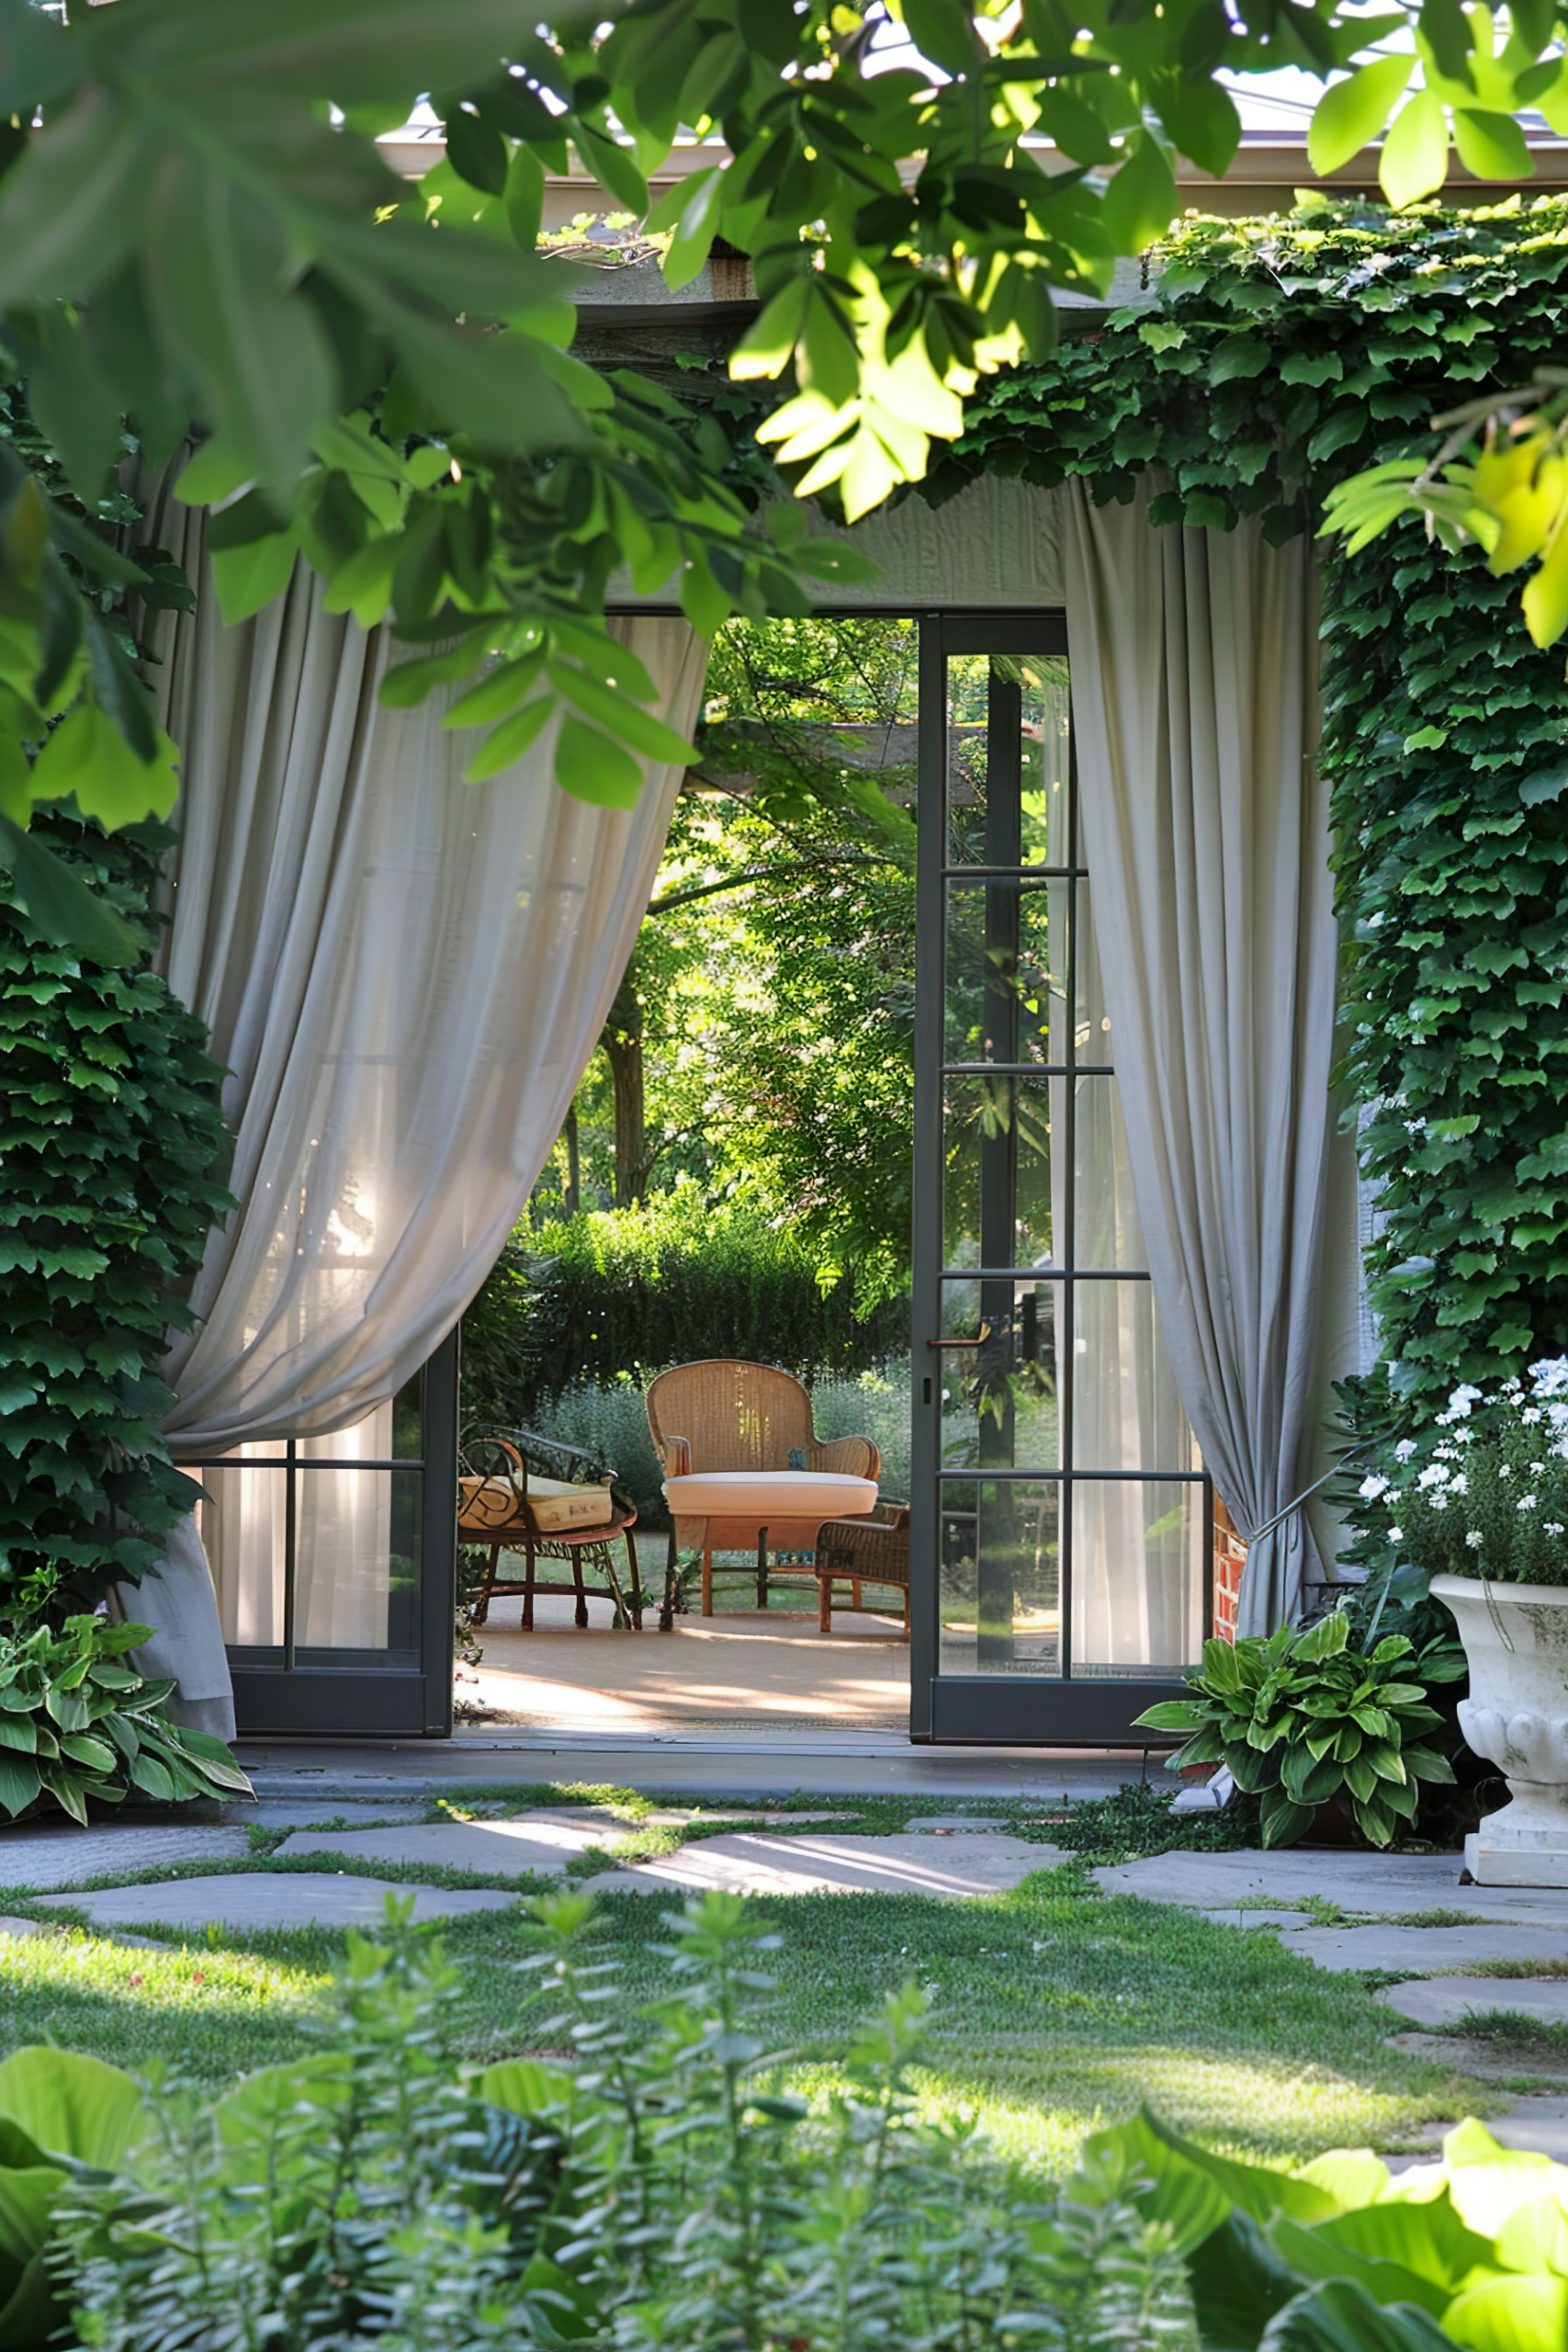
(1106, 1231)
(240, 1523)
(1137, 1577)
(1092, 1017)
(999, 1399)
(1126, 1412)
(367, 1441)
(1017, 739)
(998, 1189)
(1007, 967)
(356, 1568)
(999, 1594)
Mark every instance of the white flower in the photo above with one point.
(1550, 1377)
(1439, 1502)
(1463, 1398)
(1434, 1474)
(1527, 1502)
(1372, 1490)
(1553, 1527)
(1473, 1538)
(1458, 1483)
(1404, 1449)
(1396, 1534)
(1505, 1470)
(1531, 1414)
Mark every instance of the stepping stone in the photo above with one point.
(969, 1863)
(941, 1825)
(11, 1926)
(1480, 2058)
(1244, 1916)
(41, 1855)
(497, 1849)
(1539, 2122)
(1444, 2000)
(1357, 1882)
(677, 1817)
(297, 1813)
(1428, 1949)
(273, 1899)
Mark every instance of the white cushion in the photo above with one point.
(752, 1494)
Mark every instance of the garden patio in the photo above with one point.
(741, 834)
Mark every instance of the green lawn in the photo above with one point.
(1054, 2010)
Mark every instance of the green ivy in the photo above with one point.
(1279, 356)
(110, 1133)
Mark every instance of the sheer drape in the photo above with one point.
(406, 975)
(1194, 712)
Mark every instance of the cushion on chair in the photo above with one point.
(787, 1493)
(487, 1505)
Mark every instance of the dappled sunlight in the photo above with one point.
(214, 2011)
(731, 1666)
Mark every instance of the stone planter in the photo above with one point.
(1516, 1641)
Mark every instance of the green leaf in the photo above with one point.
(510, 741)
(1492, 145)
(628, 721)
(1415, 160)
(1342, 2317)
(249, 576)
(590, 767)
(1351, 114)
(1140, 202)
(76, 201)
(88, 758)
(72, 2105)
(19, 1785)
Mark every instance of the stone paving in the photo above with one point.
(1409, 1916)
(320, 1899)
(967, 1862)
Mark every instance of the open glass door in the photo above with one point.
(1062, 1524)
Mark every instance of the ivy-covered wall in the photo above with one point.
(1281, 357)
(111, 1142)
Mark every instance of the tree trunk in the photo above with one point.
(573, 1164)
(622, 1042)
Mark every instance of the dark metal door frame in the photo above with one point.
(1013, 1709)
(282, 1692)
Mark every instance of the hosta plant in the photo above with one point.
(1302, 1720)
(79, 1726)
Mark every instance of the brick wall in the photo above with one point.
(1230, 1558)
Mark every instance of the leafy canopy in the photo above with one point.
(380, 379)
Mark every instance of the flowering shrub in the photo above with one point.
(1487, 1493)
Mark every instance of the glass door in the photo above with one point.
(1062, 1524)
(333, 1559)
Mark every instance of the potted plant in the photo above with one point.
(1480, 1502)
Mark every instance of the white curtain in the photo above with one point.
(1193, 656)
(405, 976)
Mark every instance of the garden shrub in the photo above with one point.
(111, 1139)
(664, 2189)
(1303, 1721)
(612, 1292)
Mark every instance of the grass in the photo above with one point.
(1512, 2030)
(1055, 2009)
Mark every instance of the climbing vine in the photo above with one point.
(1277, 357)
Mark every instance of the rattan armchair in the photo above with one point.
(743, 1465)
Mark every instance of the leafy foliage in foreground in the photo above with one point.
(63, 2117)
(1282, 357)
(661, 2191)
(1302, 1721)
(80, 1726)
(110, 1140)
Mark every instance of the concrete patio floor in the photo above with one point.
(743, 1667)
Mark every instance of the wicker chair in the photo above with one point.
(873, 1550)
(497, 1512)
(743, 1465)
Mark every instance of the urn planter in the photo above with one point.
(1516, 1642)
